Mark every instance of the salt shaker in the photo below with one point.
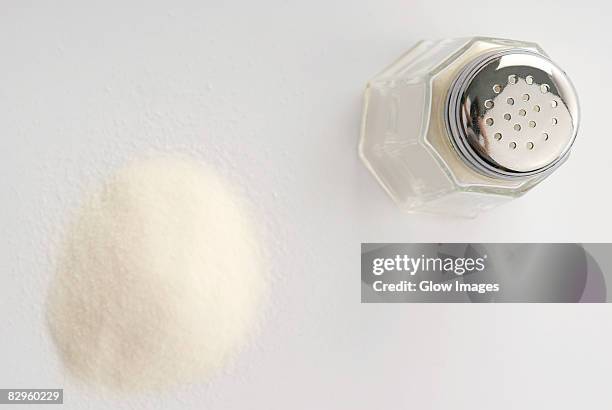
(459, 126)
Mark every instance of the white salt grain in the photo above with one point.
(160, 279)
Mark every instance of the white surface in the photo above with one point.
(271, 92)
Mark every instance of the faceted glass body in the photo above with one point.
(404, 138)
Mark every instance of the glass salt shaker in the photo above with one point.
(459, 126)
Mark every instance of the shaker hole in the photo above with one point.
(510, 101)
(497, 136)
(517, 127)
(489, 121)
(512, 79)
(507, 117)
(526, 97)
(532, 124)
(489, 104)
(530, 145)
(529, 80)
(544, 88)
(522, 113)
(554, 103)
(536, 108)
(545, 135)
(555, 121)
(512, 145)
(497, 88)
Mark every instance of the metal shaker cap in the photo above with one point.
(512, 114)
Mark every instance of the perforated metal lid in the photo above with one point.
(512, 114)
